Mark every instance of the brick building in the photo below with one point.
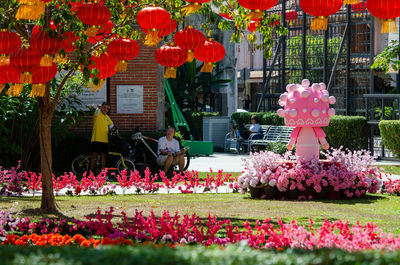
(142, 71)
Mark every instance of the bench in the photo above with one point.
(233, 138)
(275, 134)
(255, 137)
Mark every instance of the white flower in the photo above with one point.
(254, 182)
(263, 179)
(268, 172)
(272, 182)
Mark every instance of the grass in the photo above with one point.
(382, 210)
(391, 169)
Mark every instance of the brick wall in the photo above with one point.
(145, 71)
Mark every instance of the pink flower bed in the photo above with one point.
(349, 173)
(16, 181)
(193, 229)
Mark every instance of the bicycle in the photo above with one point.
(145, 156)
(122, 157)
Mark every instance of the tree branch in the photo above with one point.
(60, 88)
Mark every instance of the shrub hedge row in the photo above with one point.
(347, 131)
(194, 255)
(390, 133)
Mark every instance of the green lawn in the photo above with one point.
(382, 210)
(391, 169)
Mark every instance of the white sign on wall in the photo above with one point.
(90, 98)
(129, 99)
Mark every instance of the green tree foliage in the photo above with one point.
(389, 58)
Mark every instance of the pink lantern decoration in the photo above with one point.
(307, 109)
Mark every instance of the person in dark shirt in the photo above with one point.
(246, 103)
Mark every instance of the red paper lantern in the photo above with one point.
(320, 9)
(189, 39)
(226, 15)
(291, 16)
(171, 57)
(123, 50)
(104, 31)
(40, 77)
(256, 7)
(211, 52)
(26, 60)
(10, 42)
(47, 46)
(93, 15)
(193, 6)
(171, 27)
(253, 26)
(68, 42)
(387, 10)
(152, 19)
(360, 7)
(9, 75)
(107, 67)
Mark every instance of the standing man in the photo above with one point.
(169, 152)
(101, 124)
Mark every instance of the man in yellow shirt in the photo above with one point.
(101, 124)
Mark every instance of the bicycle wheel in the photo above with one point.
(129, 165)
(80, 164)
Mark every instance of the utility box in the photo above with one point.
(215, 129)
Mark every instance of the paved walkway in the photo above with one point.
(230, 162)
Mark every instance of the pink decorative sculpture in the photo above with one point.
(307, 109)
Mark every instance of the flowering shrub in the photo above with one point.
(8, 220)
(12, 182)
(350, 173)
(391, 187)
(193, 229)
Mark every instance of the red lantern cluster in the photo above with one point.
(211, 52)
(10, 42)
(123, 50)
(40, 76)
(320, 9)
(387, 11)
(257, 7)
(170, 56)
(189, 39)
(93, 15)
(193, 6)
(26, 60)
(151, 19)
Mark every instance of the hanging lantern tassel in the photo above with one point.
(46, 61)
(190, 56)
(122, 66)
(31, 10)
(2, 86)
(95, 88)
(170, 72)
(60, 59)
(26, 78)
(389, 26)
(15, 90)
(4, 59)
(291, 22)
(191, 8)
(38, 90)
(92, 31)
(254, 15)
(207, 67)
(152, 38)
(319, 23)
(351, 2)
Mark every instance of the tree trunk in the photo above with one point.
(46, 114)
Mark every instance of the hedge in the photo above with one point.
(347, 131)
(390, 133)
(191, 255)
(195, 120)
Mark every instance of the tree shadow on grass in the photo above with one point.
(367, 199)
(37, 212)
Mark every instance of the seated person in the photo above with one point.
(245, 132)
(169, 153)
